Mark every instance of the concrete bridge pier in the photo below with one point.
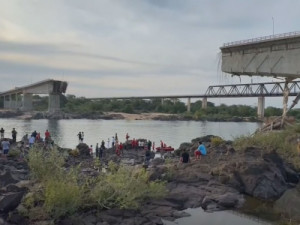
(188, 104)
(54, 103)
(27, 102)
(204, 103)
(261, 107)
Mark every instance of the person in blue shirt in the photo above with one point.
(200, 151)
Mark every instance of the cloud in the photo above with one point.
(130, 47)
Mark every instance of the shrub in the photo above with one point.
(46, 164)
(74, 152)
(125, 187)
(62, 197)
(217, 141)
(14, 153)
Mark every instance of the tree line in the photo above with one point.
(73, 104)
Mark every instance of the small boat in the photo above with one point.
(166, 149)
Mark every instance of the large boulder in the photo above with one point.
(261, 176)
(84, 149)
(6, 178)
(289, 204)
(10, 201)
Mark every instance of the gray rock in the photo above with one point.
(289, 204)
(10, 201)
(6, 179)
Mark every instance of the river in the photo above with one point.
(64, 133)
(173, 133)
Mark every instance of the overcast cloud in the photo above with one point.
(132, 47)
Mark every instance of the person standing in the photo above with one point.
(2, 132)
(102, 147)
(97, 150)
(79, 136)
(82, 136)
(5, 146)
(127, 137)
(47, 135)
(14, 135)
(112, 142)
(108, 142)
(31, 141)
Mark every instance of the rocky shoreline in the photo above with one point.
(218, 181)
(114, 116)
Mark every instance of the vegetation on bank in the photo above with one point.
(60, 191)
(284, 142)
(81, 105)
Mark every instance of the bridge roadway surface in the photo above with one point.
(269, 89)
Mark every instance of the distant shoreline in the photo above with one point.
(35, 115)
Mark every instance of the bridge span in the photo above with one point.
(21, 97)
(260, 90)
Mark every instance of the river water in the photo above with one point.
(173, 133)
(64, 133)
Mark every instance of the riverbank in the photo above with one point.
(218, 181)
(116, 115)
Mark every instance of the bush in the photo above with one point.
(125, 187)
(216, 141)
(62, 197)
(74, 152)
(14, 153)
(46, 164)
(64, 190)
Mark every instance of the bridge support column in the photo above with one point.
(204, 103)
(6, 102)
(261, 107)
(27, 102)
(188, 105)
(54, 102)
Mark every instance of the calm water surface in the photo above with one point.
(64, 132)
(199, 217)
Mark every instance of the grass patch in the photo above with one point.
(283, 142)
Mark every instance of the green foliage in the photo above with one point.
(125, 187)
(217, 141)
(14, 153)
(284, 142)
(46, 164)
(64, 190)
(62, 196)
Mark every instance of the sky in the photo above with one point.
(107, 48)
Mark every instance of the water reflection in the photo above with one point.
(198, 216)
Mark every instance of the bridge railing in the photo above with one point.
(264, 38)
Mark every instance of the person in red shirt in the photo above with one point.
(47, 134)
(38, 136)
(121, 148)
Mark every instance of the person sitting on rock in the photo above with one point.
(201, 150)
(185, 157)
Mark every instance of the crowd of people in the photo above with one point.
(26, 142)
(113, 143)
